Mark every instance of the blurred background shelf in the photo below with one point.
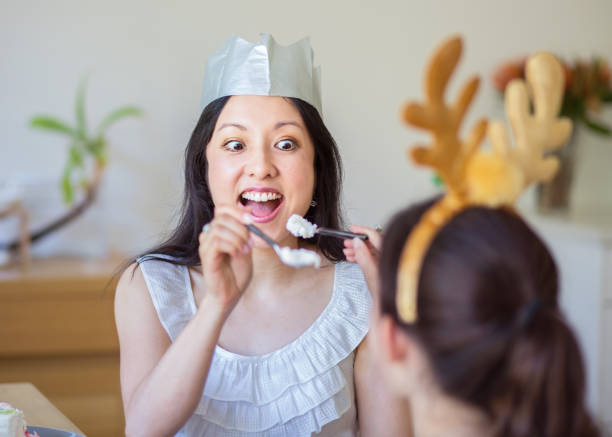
(59, 334)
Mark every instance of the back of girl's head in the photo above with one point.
(489, 321)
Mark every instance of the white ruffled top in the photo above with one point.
(304, 388)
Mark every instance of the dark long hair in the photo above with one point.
(198, 207)
(490, 323)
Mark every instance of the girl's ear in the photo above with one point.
(400, 356)
(395, 344)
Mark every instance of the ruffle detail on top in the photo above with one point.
(293, 391)
(314, 404)
(301, 426)
(296, 401)
(332, 337)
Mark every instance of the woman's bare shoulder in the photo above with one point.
(133, 303)
(131, 283)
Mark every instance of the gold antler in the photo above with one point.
(535, 134)
(474, 177)
(543, 131)
(448, 154)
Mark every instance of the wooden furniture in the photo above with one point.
(59, 333)
(582, 246)
(38, 410)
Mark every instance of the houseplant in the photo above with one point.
(86, 159)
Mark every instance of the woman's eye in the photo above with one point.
(286, 145)
(234, 146)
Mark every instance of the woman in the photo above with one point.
(218, 337)
(490, 353)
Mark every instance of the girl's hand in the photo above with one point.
(365, 254)
(225, 254)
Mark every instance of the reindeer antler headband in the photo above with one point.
(474, 177)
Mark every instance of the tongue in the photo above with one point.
(262, 209)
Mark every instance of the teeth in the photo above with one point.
(260, 197)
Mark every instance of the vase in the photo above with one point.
(555, 196)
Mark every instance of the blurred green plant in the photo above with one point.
(437, 181)
(84, 144)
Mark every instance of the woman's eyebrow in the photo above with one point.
(277, 126)
(285, 123)
(224, 125)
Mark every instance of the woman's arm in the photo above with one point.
(380, 413)
(366, 255)
(161, 383)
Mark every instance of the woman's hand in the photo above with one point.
(365, 254)
(225, 254)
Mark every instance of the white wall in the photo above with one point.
(152, 54)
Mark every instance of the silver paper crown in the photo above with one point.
(264, 68)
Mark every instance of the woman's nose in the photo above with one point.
(261, 164)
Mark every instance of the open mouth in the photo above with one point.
(263, 205)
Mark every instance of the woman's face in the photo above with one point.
(261, 158)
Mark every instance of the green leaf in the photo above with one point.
(76, 155)
(118, 114)
(97, 147)
(596, 126)
(572, 106)
(67, 189)
(437, 180)
(606, 96)
(79, 109)
(93, 145)
(52, 124)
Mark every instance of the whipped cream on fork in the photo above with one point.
(300, 227)
(298, 257)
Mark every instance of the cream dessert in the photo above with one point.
(289, 256)
(12, 422)
(298, 257)
(292, 257)
(300, 227)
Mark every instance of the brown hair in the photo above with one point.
(489, 321)
(198, 207)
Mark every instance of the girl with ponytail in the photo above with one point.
(490, 353)
(469, 328)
